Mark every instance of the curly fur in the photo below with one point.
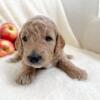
(36, 29)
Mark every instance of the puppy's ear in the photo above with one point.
(18, 44)
(60, 43)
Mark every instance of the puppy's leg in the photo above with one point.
(16, 58)
(26, 76)
(73, 71)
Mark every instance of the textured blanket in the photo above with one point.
(53, 84)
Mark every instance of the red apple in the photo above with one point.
(6, 47)
(0, 30)
(8, 31)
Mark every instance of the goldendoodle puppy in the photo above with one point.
(39, 44)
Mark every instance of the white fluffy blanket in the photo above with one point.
(53, 84)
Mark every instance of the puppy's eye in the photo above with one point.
(48, 38)
(24, 38)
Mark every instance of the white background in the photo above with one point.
(85, 22)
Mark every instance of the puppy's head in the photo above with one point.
(39, 42)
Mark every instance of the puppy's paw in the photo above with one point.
(24, 78)
(79, 74)
(69, 56)
(13, 60)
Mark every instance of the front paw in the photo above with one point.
(24, 78)
(13, 60)
(79, 74)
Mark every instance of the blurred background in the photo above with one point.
(84, 19)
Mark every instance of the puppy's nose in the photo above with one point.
(34, 58)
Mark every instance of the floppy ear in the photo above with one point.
(60, 43)
(18, 44)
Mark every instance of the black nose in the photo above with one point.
(34, 58)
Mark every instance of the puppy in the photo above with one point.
(39, 44)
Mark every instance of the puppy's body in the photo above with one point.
(39, 44)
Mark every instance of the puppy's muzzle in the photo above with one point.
(34, 58)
